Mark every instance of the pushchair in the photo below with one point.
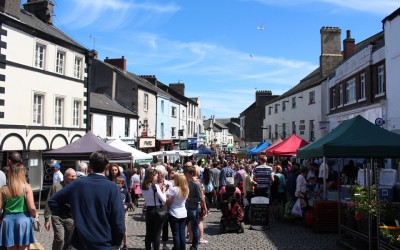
(232, 212)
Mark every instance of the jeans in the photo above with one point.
(164, 236)
(153, 229)
(63, 229)
(193, 218)
(249, 195)
(178, 232)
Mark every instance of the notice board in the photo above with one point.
(259, 217)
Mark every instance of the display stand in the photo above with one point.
(259, 216)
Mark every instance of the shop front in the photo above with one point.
(165, 145)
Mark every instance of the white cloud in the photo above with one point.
(380, 7)
(106, 14)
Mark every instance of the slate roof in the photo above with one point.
(140, 81)
(31, 24)
(103, 102)
(31, 20)
(220, 125)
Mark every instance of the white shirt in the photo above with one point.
(177, 208)
(148, 196)
(301, 184)
(58, 177)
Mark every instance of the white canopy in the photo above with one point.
(173, 153)
(137, 155)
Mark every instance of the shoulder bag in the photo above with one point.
(161, 213)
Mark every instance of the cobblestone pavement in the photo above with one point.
(282, 235)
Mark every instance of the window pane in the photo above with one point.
(58, 111)
(60, 62)
(78, 68)
(76, 114)
(39, 56)
(37, 109)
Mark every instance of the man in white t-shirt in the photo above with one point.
(57, 176)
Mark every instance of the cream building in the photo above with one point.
(42, 93)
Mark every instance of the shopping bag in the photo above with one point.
(296, 210)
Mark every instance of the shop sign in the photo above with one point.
(147, 142)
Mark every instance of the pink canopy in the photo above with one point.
(288, 147)
(263, 152)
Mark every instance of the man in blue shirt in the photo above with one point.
(263, 175)
(226, 172)
(93, 201)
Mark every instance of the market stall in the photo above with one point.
(138, 157)
(288, 147)
(357, 137)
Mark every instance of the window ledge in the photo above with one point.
(349, 103)
(380, 94)
(362, 99)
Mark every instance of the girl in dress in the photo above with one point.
(16, 199)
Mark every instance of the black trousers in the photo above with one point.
(153, 229)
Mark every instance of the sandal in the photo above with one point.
(203, 242)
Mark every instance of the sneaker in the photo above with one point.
(203, 242)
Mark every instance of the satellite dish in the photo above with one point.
(379, 122)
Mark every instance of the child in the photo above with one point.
(135, 188)
(126, 200)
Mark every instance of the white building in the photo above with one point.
(357, 86)
(392, 62)
(42, 93)
(303, 109)
(111, 120)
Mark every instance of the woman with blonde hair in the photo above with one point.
(16, 199)
(177, 210)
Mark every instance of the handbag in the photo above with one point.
(36, 224)
(161, 213)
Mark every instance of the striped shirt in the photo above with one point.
(263, 175)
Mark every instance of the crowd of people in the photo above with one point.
(185, 191)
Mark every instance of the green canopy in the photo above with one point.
(356, 137)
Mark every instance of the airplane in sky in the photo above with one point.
(260, 27)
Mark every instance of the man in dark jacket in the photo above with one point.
(93, 201)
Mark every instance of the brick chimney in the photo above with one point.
(150, 78)
(178, 87)
(348, 46)
(42, 9)
(262, 96)
(11, 7)
(117, 62)
(331, 53)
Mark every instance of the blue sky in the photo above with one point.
(214, 46)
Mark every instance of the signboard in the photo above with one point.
(259, 217)
(147, 142)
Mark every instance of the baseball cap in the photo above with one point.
(56, 166)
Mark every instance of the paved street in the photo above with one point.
(283, 235)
